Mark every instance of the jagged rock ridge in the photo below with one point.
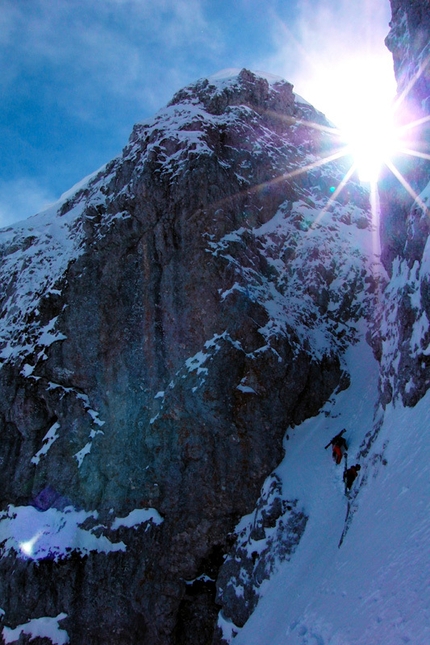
(162, 326)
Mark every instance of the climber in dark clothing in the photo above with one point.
(350, 475)
(339, 446)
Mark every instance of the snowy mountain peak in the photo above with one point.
(234, 74)
(230, 87)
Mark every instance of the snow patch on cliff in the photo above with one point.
(44, 627)
(301, 265)
(136, 517)
(51, 534)
(47, 442)
(54, 534)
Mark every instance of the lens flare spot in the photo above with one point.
(27, 548)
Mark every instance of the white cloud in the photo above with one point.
(22, 198)
(110, 48)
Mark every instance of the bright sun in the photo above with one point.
(359, 102)
(361, 107)
(367, 118)
(354, 86)
(372, 142)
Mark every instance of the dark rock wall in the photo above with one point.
(408, 40)
(175, 375)
(401, 339)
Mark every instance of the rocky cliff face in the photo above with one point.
(402, 336)
(161, 328)
(408, 40)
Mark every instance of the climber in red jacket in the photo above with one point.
(339, 446)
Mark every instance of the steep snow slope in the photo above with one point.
(374, 588)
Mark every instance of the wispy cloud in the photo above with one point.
(99, 50)
(76, 75)
(22, 198)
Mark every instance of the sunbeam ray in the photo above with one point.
(408, 187)
(375, 211)
(342, 152)
(402, 97)
(315, 164)
(332, 197)
(291, 120)
(415, 153)
(413, 124)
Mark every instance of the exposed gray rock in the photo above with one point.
(161, 328)
(265, 538)
(408, 40)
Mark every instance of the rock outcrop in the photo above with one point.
(402, 338)
(161, 328)
(408, 40)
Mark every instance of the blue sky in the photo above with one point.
(77, 74)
